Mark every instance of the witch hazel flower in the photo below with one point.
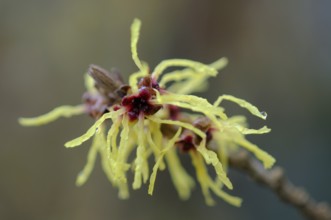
(154, 116)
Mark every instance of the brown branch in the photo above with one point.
(275, 180)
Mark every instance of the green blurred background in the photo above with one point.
(279, 54)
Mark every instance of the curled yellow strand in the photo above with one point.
(211, 158)
(62, 111)
(141, 165)
(135, 31)
(244, 104)
(133, 80)
(169, 145)
(206, 183)
(247, 131)
(121, 165)
(267, 160)
(112, 138)
(191, 76)
(183, 182)
(91, 131)
(197, 66)
(179, 123)
(192, 102)
(98, 142)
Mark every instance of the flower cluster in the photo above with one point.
(154, 116)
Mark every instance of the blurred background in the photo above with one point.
(279, 54)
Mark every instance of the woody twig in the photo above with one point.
(276, 181)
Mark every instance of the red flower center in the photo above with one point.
(140, 104)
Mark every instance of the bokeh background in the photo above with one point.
(279, 54)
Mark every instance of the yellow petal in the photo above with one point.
(199, 67)
(244, 104)
(169, 145)
(266, 158)
(62, 111)
(91, 131)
